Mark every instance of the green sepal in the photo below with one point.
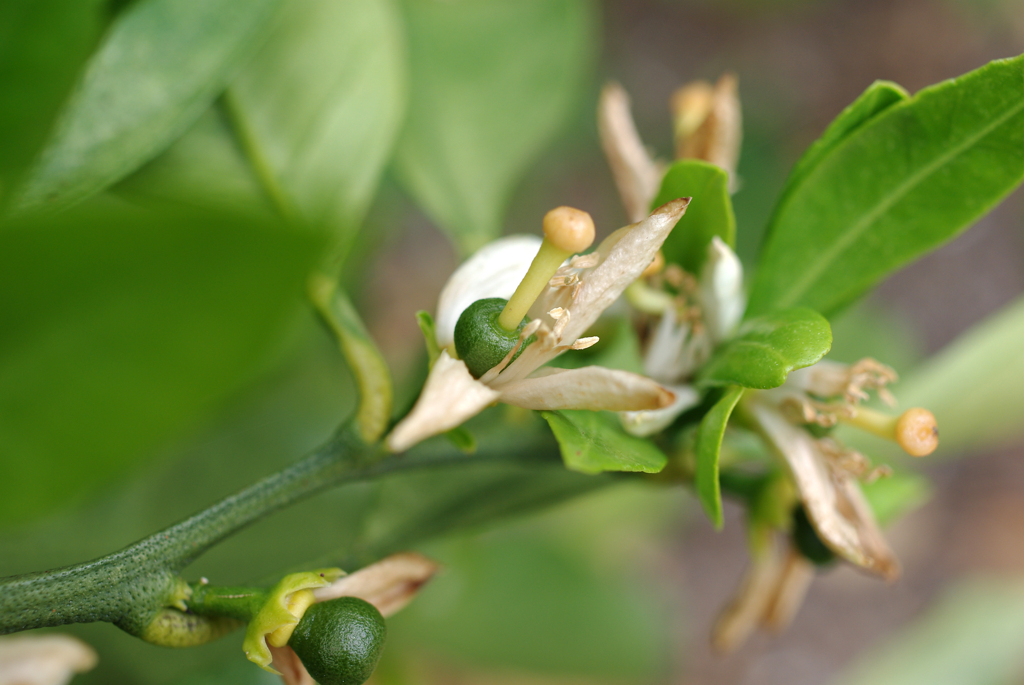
(275, 614)
(709, 447)
(429, 330)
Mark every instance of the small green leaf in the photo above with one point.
(320, 106)
(709, 445)
(973, 634)
(767, 348)
(593, 442)
(903, 183)
(429, 331)
(878, 97)
(122, 329)
(492, 83)
(161, 65)
(709, 214)
(43, 45)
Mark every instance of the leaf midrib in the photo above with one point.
(861, 225)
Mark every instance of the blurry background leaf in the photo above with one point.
(767, 348)
(902, 184)
(709, 214)
(205, 168)
(896, 495)
(321, 104)
(972, 636)
(592, 442)
(43, 45)
(122, 328)
(160, 66)
(709, 447)
(492, 83)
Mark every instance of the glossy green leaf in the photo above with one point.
(593, 442)
(767, 348)
(321, 104)
(709, 214)
(903, 183)
(43, 45)
(122, 328)
(974, 634)
(709, 445)
(878, 97)
(160, 66)
(492, 83)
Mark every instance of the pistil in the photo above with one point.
(915, 430)
(566, 232)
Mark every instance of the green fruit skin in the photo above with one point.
(480, 341)
(340, 641)
(807, 540)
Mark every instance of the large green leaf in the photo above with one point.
(974, 634)
(321, 105)
(43, 45)
(878, 97)
(161, 65)
(709, 214)
(903, 183)
(492, 83)
(121, 329)
(709, 446)
(593, 442)
(767, 348)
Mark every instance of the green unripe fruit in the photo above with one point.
(480, 341)
(807, 540)
(340, 641)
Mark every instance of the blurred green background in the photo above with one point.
(156, 354)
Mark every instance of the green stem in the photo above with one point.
(239, 603)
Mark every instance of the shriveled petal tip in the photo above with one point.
(493, 271)
(450, 396)
(290, 667)
(389, 584)
(835, 505)
(633, 250)
(650, 421)
(636, 175)
(592, 387)
(43, 659)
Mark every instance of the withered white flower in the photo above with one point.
(51, 659)
(827, 475)
(568, 305)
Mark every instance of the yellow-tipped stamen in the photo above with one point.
(566, 232)
(915, 430)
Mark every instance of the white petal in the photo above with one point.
(493, 271)
(632, 252)
(650, 421)
(835, 507)
(450, 396)
(389, 584)
(661, 361)
(592, 387)
(636, 175)
(43, 659)
(721, 290)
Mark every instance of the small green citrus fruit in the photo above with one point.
(340, 641)
(480, 341)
